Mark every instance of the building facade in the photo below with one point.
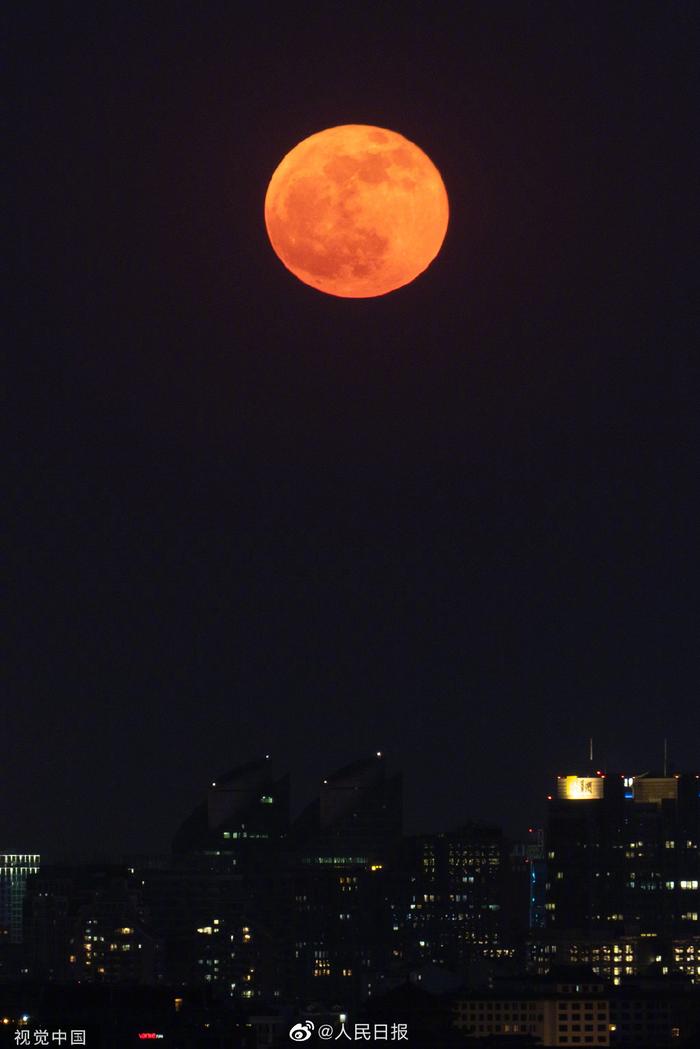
(573, 1006)
(342, 848)
(623, 874)
(448, 899)
(15, 868)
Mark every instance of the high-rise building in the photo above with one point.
(222, 907)
(623, 871)
(15, 868)
(624, 851)
(447, 904)
(257, 910)
(356, 821)
(525, 897)
(243, 818)
(341, 848)
(220, 930)
(89, 924)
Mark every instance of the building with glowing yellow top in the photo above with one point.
(623, 873)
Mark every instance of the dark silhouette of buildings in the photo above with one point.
(242, 821)
(623, 874)
(337, 911)
(341, 846)
(529, 868)
(448, 903)
(229, 863)
(90, 924)
(356, 820)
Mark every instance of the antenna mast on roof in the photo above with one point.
(665, 757)
(590, 750)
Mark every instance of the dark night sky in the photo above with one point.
(457, 523)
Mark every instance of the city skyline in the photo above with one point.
(297, 808)
(586, 932)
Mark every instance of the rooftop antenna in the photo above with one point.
(590, 750)
(665, 757)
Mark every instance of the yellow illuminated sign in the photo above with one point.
(580, 788)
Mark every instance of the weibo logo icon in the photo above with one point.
(301, 1032)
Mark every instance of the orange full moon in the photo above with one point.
(356, 211)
